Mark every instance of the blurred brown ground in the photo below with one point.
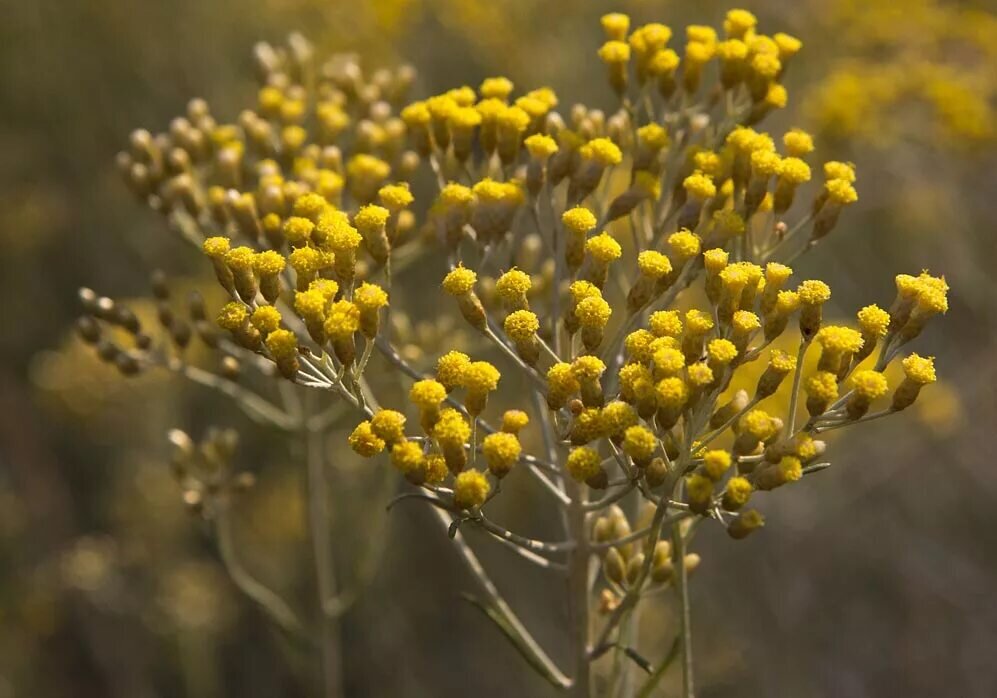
(874, 578)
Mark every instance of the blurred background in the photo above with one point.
(874, 578)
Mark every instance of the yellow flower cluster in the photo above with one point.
(564, 239)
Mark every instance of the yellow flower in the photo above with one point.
(583, 463)
(470, 489)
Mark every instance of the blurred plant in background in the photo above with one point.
(88, 472)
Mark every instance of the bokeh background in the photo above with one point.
(874, 578)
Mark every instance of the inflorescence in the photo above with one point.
(570, 236)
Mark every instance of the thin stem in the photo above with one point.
(495, 599)
(318, 512)
(685, 616)
(269, 601)
(578, 589)
(795, 396)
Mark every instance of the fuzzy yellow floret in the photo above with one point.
(814, 292)
(614, 52)
(342, 320)
(700, 375)
(407, 457)
(603, 248)
(838, 340)
(716, 463)
(464, 118)
(501, 450)
(839, 170)
(715, 260)
(794, 170)
(672, 392)
(470, 489)
(653, 264)
(588, 368)
(583, 463)
(639, 443)
(798, 142)
(788, 45)
(745, 321)
(282, 344)
(684, 245)
(450, 369)
(364, 441)
(266, 319)
(388, 425)
(698, 488)
(699, 186)
(491, 192)
(617, 417)
(232, 316)
(615, 25)
(841, 192)
(777, 274)
(451, 429)
(395, 196)
(869, 384)
(602, 151)
(481, 377)
(496, 88)
(456, 195)
(669, 360)
(738, 491)
(427, 393)
(919, 369)
(310, 206)
(513, 285)
(216, 247)
(540, 146)
(308, 260)
(269, 263)
(721, 351)
(781, 361)
(822, 385)
(739, 22)
(697, 53)
(638, 344)
(663, 62)
(435, 468)
(697, 322)
(311, 305)
(562, 379)
(370, 297)
(416, 114)
(514, 421)
(593, 312)
(371, 219)
(787, 302)
(665, 323)
(521, 325)
(460, 281)
(513, 119)
(579, 220)
(758, 424)
(653, 135)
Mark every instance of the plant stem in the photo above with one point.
(270, 601)
(318, 517)
(578, 589)
(685, 618)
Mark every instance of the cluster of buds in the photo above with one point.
(204, 470)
